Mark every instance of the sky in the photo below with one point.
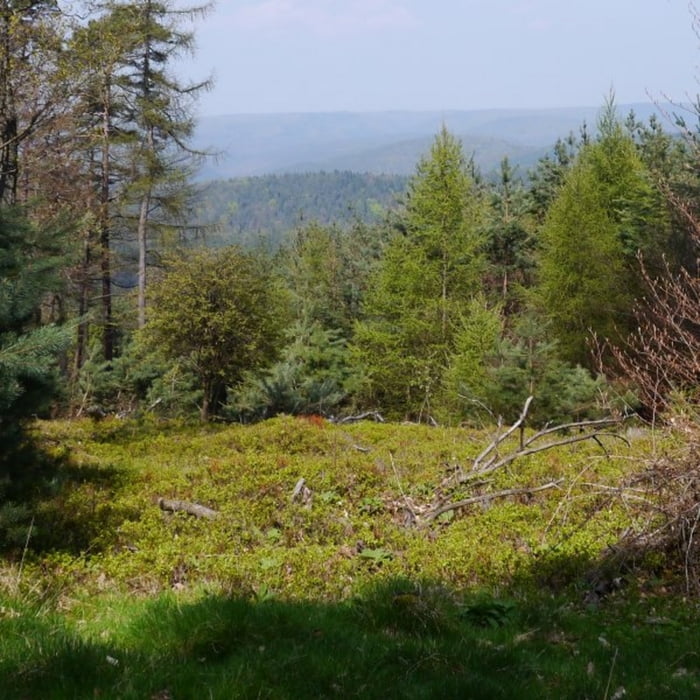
(280, 56)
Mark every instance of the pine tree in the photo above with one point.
(161, 160)
(99, 51)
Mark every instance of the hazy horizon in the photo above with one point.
(567, 108)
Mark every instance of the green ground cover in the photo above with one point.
(338, 596)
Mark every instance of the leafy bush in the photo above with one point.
(219, 314)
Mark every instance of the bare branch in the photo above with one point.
(526, 444)
(500, 438)
(484, 498)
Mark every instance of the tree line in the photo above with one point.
(455, 305)
(266, 208)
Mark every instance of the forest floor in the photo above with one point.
(164, 560)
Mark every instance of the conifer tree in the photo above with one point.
(29, 259)
(135, 118)
(29, 45)
(509, 239)
(99, 51)
(429, 271)
(162, 116)
(606, 214)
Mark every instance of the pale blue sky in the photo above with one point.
(367, 55)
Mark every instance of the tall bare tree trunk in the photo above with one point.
(143, 236)
(104, 232)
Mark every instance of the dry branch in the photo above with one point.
(489, 460)
(527, 445)
(374, 415)
(196, 509)
(663, 355)
(484, 498)
(302, 493)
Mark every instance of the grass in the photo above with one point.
(117, 599)
(388, 642)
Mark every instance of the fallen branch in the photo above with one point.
(527, 446)
(196, 509)
(489, 460)
(374, 415)
(484, 498)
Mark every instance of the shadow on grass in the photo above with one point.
(51, 503)
(396, 640)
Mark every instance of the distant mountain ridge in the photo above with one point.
(385, 142)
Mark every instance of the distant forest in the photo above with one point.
(266, 208)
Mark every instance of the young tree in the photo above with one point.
(220, 314)
(607, 212)
(429, 271)
(327, 269)
(315, 273)
(509, 240)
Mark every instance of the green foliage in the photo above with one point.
(219, 314)
(313, 376)
(29, 352)
(488, 613)
(494, 370)
(529, 365)
(509, 240)
(605, 214)
(327, 270)
(477, 344)
(429, 270)
(376, 556)
(547, 178)
(104, 503)
(141, 379)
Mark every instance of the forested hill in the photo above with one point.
(249, 209)
(385, 142)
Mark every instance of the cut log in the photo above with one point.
(196, 509)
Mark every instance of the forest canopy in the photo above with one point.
(443, 297)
